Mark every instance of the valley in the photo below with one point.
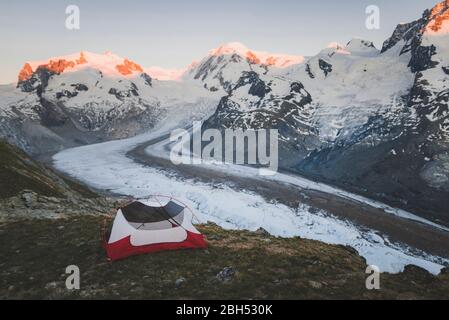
(235, 197)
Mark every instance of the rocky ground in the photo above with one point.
(28, 189)
(29, 204)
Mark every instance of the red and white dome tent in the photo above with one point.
(157, 223)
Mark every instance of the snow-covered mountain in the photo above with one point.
(222, 68)
(320, 101)
(401, 153)
(375, 121)
(87, 97)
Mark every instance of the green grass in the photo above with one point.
(34, 255)
(18, 172)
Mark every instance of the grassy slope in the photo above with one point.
(267, 267)
(18, 172)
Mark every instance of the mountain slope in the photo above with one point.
(405, 161)
(30, 190)
(374, 121)
(18, 173)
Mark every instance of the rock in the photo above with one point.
(315, 285)
(179, 282)
(417, 271)
(54, 200)
(147, 78)
(51, 285)
(325, 66)
(350, 249)
(213, 237)
(226, 274)
(28, 198)
(281, 282)
(66, 94)
(80, 87)
(444, 271)
(262, 232)
(445, 70)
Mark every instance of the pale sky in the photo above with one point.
(173, 33)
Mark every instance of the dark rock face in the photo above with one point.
(325, 66)
(66, 94)
(411, 35)
(204, 69)
(258, 87)
(422, 58)
(51, 114)
(113, 91)
(80, 87)
(29, 85)
(368, 44)
(426, 102)
(121, 95)
(38, 81)
(309, 72)
(271, 112)
(402, 32)
(147, 78)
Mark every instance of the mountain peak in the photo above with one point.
(355, 46)
(278, 60)
(359, 46)
(359, 43)
(439, 19)
(433, 24)
(335, 47)
(230, 48)
(108, 63)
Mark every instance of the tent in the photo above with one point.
(146, 226)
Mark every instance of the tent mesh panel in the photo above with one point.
(138, 212)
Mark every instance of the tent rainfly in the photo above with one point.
(145, 226)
